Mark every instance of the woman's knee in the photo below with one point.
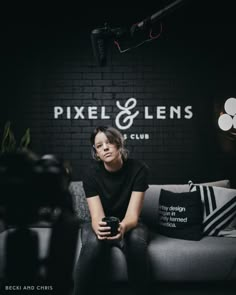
(89, 238)
(138, 236)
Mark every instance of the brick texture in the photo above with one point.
(168, 72)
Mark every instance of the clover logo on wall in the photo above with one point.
(227, 120)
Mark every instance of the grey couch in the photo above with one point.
(171, 260)
(175, 260)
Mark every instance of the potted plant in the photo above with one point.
(9, 143)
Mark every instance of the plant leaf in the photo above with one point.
(11, 144)
(5, 137)
(25, 140)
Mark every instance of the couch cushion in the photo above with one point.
(150, 209)
(219, 208)
(219, 183)
(211, 258)
(180, 215)
(79, 201)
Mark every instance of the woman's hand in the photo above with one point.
(101, 229)
(121, 232)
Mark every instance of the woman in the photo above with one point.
(114, 186)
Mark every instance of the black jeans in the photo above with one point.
(95, 254)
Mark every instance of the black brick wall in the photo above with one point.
(185, 66)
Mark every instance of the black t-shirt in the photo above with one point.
(115, 188)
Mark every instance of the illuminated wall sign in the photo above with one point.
(228, 120)
(126, 114)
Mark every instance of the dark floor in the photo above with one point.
(213, 288)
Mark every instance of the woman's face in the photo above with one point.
(105, 150)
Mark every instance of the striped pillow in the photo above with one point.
(219, 208)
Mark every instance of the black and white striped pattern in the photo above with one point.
(219, 208)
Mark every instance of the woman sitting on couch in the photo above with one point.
(114, 186)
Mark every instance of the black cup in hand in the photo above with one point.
(113, 222)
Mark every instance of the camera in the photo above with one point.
(29, 183)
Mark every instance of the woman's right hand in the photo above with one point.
(101, 230)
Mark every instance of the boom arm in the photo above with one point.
(101, 36)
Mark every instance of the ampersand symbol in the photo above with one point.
(126, 113)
